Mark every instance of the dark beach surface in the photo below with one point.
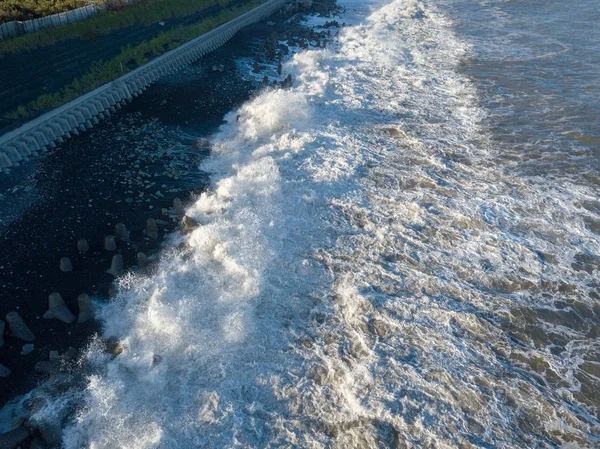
(126, 170)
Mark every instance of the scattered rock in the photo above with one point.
(189, 223)
(178, 208)
(37, 444)
(151, 229)
(65, 265)
(53, 355)
(50, 433)
(27, 348)
(4, 371)
(122, 233)
(113, 346)
(116, 267)
(57, 309)
(83, 246)
(112, 290)
(19, 422)
(34, 404)
(109, 243)
(142, 260)
(86, 308)
(14, 438)
(18, 328)
(47, 366)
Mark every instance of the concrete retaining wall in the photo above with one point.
(16, 28)
(38, 135)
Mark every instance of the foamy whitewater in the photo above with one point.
(365, 274)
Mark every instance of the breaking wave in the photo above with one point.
(364, 273)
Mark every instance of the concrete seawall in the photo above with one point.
(36, 136)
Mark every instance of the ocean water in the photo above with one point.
(401, 251)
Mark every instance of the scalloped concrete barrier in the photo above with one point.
(36, 136)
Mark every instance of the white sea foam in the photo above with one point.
(359, 275)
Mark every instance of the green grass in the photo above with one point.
(147, 12)
(33, 9)
(129, 59)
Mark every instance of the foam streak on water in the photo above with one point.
(363, 275)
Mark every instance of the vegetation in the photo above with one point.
(146, 12)
(129, 59)
(33, 9)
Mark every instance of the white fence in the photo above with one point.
(16, 28)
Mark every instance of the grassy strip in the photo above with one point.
(129, 59)
(147, 12)
(32, 9)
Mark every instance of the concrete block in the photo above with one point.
(41, 138)
(22, 148)
(13, 154)
(111, 100)
(84, 111)
(104, 101)
(4, 161)
(97, 104)
(64, 124)
(34, 146)
(70, 120)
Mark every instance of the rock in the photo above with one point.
(65, 265)
(27, 349)
(83, 246)
(37, 444)
(53, 355)
(109, 243)
(178, 208)
(122, 233)
(113, 346)
(18, 328)
(2, 325)
(14, 438)
(116, 267)
(4, 371)
(34, 404)
(19, 422)
(47, 366)
(50, 433)
(112, 290)
(86, 308)
(57, 309)
(142, 260)
(189, 223)
(151, 229)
